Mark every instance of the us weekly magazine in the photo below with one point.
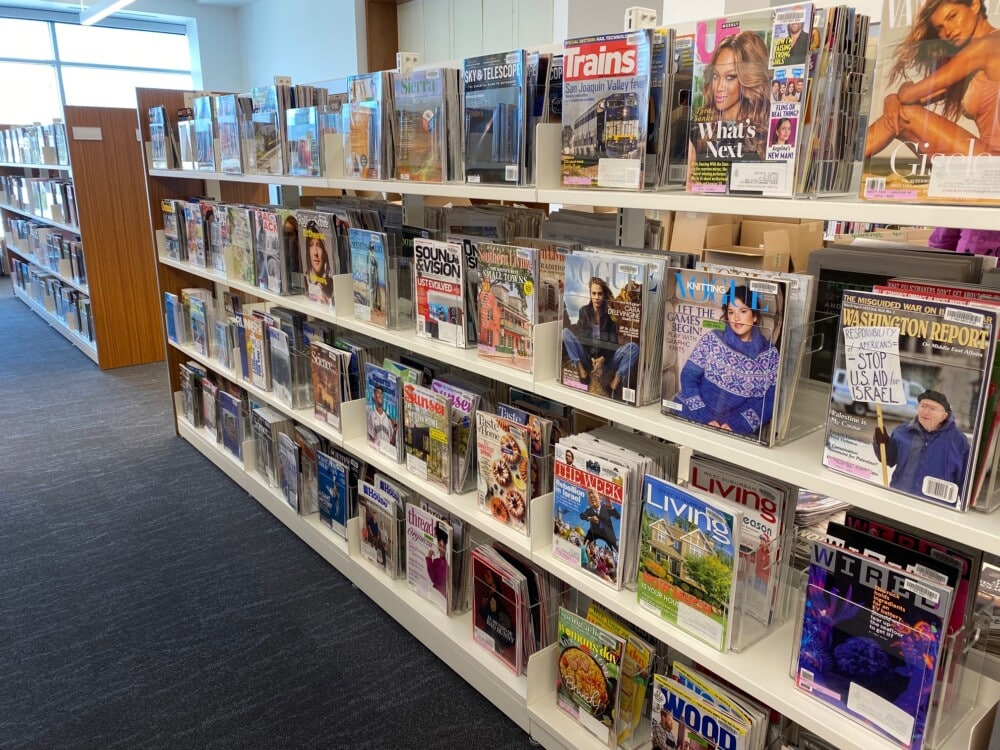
(748, 97)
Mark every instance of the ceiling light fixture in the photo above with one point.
(99, 10)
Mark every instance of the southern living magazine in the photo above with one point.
(427, 434)
(871, 637)
(722, 352)
(589, 670)
(934, 107)
(495, 107)
(504, 483)
(589, 490)
(603, 325)
(909, 387)
(769, 509)
(428, 556)
(749, 89)
(508, 306)
(440, 303)
(605, 110)
(687, 560)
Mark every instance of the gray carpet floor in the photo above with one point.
(146, 601)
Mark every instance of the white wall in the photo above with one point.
(442, 30)
(217, 40)
(309, 40)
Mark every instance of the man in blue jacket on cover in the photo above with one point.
(927, 448)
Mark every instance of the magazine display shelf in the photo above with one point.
(87, 347)
(762, 668)
(31, 260)
(105, 160)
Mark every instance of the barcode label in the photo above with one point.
(510, 173)
(874, 184)
(940, 490)
(805, 677)
(421, 325)
(763, 287)
(954, 315)
(926, 592)
(672, 405)
(473, 178)
(929, 574)
(628, 395)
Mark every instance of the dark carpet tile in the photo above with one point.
(146, 601)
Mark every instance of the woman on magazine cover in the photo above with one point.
(437, 567)
(729, 380)
(736, 88)
(957, 51)
(594, 336)
(319, 280)
(931, 445)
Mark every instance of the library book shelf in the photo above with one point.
(529, 700)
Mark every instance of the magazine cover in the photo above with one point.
(683, 719)
(605, 110)
(265, 129)
(439, 271)
(204, 134)
(428, 557)
(368, 95)
(748, 95)
(326, 380)
(318, 245)
(504, 486)
(603, 324)
(768, 507)
(933, 112)
(687, 560)
(282, 382)
(258, 351)
(231, 424)
(333, 493)
(589, 669)
(871, 636)
(422, 101)
(194, 234)
(497, 611)
(160, 141)
(495, 108)
(427, 434)
(508, 307)
(379, 542)
(722, 350)
(227, 120)
(383, 398)
(268, 250)
(241, 261)
(909, 387)
(304, 144)
(588, 490)
(369, 276)
(174, 235)
(288, 469)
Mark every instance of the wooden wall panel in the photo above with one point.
(382, 34)
(110, 185)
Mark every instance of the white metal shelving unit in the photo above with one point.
(762, 669)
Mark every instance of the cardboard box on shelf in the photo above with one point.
(691, 227)
(772, 254)
(803, 236)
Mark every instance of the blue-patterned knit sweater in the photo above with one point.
(730, 381)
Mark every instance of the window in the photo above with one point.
(51, 61)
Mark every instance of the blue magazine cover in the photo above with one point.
(687, 560)
(871, 636)
(333, 492)
(368, 275)
(382, 400)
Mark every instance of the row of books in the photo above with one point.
(38, 143)
(55, 249)
(45, 197)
